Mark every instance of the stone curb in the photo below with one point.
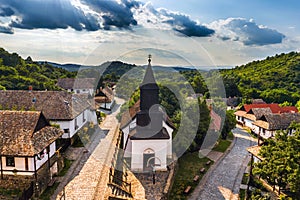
(200, 186)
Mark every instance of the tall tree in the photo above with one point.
(281, 158)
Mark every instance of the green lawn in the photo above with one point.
(68, 164)
(222, 145)
(48, 192)
(230, 136)
(242, 194)
(245, 179)
(189, 166)
(10, 192)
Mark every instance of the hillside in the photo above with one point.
(17, 73)
(275, 79)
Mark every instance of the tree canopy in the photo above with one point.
(275, 79)
(281, 158)
(18, 74)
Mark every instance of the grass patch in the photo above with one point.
(67, 166)
(10, 192)
(48, 192)
(230, 136)
(189, 166)
(242, 194)
(245, 178)
(77, 141)
(222, 145)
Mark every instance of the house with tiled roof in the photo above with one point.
(69, 111)
(27, 146)
(147, 131)
(78, 85)
(104, 98)
(249, 113)
(268, 124)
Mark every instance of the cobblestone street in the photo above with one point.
(225, 179)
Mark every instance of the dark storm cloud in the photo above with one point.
(6, 29)
(50, 14)
(6, 11)
(186, 26)
(53, 14)
(115, 14)
(249, 33)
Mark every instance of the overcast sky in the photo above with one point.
(189, 32)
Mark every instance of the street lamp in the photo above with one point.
(153, 167)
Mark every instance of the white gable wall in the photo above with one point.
(248, 123)
(89, 115)
(160, 148)
(20, 162)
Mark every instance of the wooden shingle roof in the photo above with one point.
(55, 105)
(277, 121)
(76, 83)
(254, 150)
(25, 133)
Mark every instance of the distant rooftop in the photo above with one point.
(55, 105)
(76, 83)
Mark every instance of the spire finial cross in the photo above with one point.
(149, 58)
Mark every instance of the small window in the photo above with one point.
(76, 126)
(10, 161)
(66, 130)
(83, 116)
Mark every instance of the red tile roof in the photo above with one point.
(275, 108)
(216, 120)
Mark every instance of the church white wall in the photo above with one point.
(139, 146)
(127, 129)
(170, 131)
(128, 149)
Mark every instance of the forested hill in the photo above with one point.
(17, 73)
(275, 79)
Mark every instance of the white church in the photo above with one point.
(147, 130)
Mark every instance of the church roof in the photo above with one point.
(129, 115)
(162, 134)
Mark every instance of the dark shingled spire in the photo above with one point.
(149, 118)
(149, 77)
(149, 89)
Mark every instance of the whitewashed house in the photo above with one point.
(28, 142)
(147, 131)
(105, 98)
(249, 113)
(78, 85)
(267, 125)
(70, 111)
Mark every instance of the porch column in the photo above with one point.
(48, 157)
(1, 167)
(35, 174)
(250, 176)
